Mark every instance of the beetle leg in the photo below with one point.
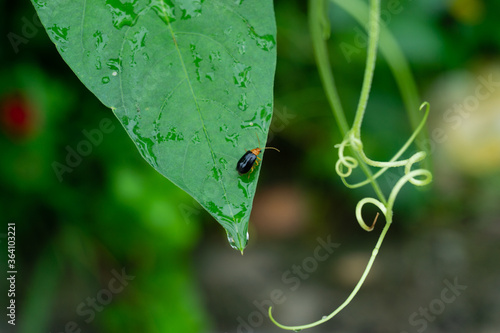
(250, 172)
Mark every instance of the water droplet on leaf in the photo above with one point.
(241, 74)
(196, 56)
(137, 43)
(190, 8)
(165, 10)
(60, 35)
(261, 117)
(242, 47)
(114, 64)
(40, 4)
(214, 55)
(233, 138)
(144, 144)
(101, 41)
(231, 241)
(97, 63)
(265, 42)
(242, 104)
(123, 13)
(223, 162)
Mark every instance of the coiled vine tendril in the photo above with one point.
(352, 141)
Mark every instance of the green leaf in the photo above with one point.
(191, 81)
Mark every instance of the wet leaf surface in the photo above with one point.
(191, 82)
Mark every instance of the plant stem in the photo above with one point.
(400, 68)
(370, 66)
(317, 22)
(351, 296)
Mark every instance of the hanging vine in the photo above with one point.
(350, 151)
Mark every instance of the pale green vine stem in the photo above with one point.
(370, 66)
(319, 26)
(396, 61)
(348, 300)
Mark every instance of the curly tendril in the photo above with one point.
(350, 163)
(417, 177)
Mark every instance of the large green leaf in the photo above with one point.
(191, 81)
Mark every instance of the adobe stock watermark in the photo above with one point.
(455, 115)
(453, 119)
(29, 30)
(292, 279)
(281, 119)
(187, 211)
(420, 320)
(87, 309)
(84, 147)
(360, 40)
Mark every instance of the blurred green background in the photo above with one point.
(111, 214)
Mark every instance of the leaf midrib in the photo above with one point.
(205, 132)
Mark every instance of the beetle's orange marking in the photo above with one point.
(255, 151)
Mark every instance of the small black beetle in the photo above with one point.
(247, 161)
